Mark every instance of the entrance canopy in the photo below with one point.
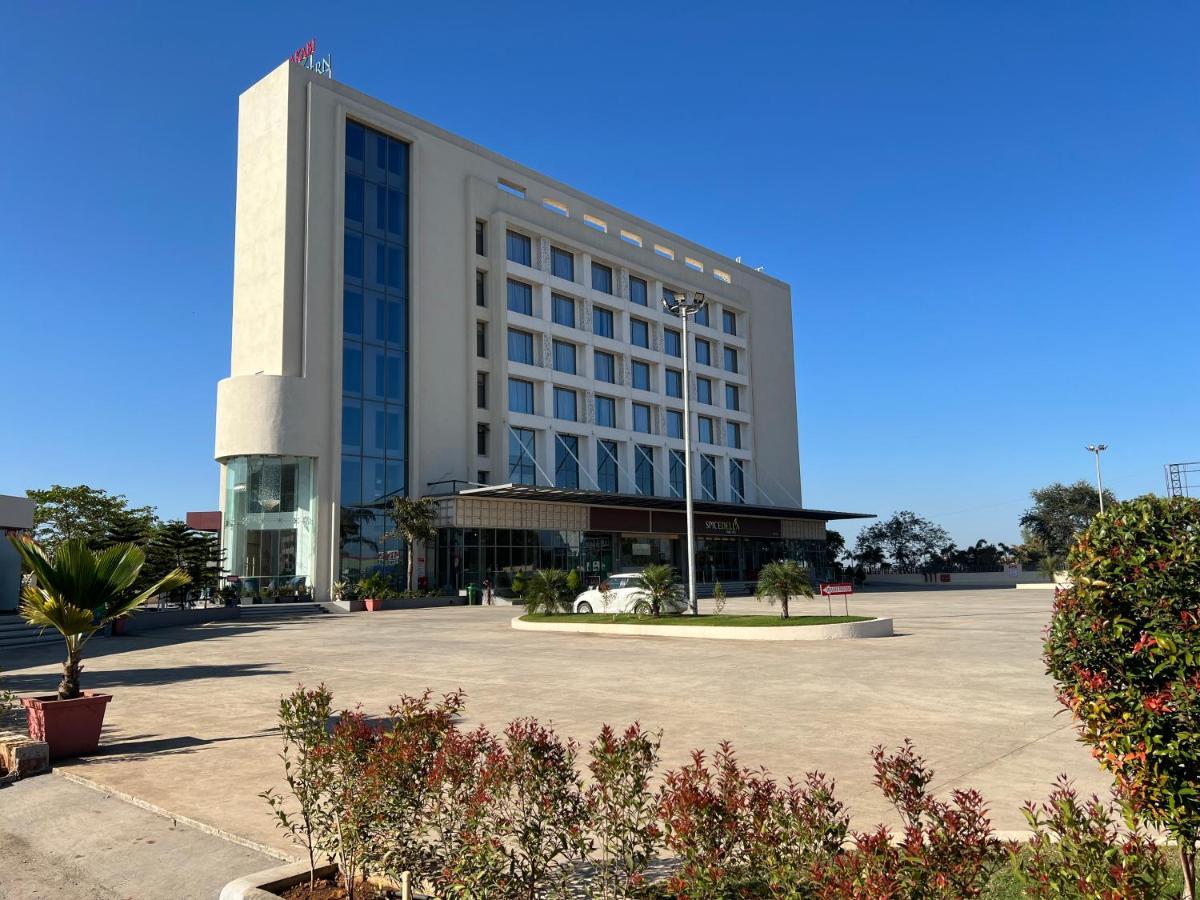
(641, 501)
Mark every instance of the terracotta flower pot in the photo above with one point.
(69, 727)
(373, 605)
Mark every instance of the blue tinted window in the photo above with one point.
(352, 425)
(352, 368)
(351, 481)
(520, 396)
(701, 316)
(353, 257)
(733, 435)
(641, 418)
(643, 470)
(674, 423)
(605, 365)
(637, 291)
(704, 391)
(519, 248)
(737, 481)
(640, 375)
(602, 321)
(564, 404)
(354, 201)
(520, 346)
(352, 312)
(602, 278)
(520, 297)
(566, 461)
(731, 359)
(522, 456)
(355, 147)
(729, 322)
(564, 357)
(708, 477)
(639, 333)
(562, 310)
(606, 412)
(733, 397)
(606, 466)
(676, 476)
(674, 384)
(704, 425)
(562, 263)
(671, 342)
(703, 352)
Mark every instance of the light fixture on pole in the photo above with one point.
(1097, 449)
(685, 306)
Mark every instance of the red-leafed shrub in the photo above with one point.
(1079, 850)
(946, 850)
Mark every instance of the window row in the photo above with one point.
(521, 394)
(523, 467)
(519, 249)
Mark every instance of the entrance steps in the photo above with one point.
(15, 633)
(276, 611)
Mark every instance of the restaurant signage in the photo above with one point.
(307, 56)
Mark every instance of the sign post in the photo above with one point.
(845, 588)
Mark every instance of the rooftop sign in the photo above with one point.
(307, 56)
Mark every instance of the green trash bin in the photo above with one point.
(474, 595)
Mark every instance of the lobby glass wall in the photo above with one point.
(473, 555)
(268, 521)
(375, 331)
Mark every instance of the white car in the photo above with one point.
(625, 593)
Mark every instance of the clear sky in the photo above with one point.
(988, 214)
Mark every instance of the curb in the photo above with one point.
(872, 628)
(178, 819)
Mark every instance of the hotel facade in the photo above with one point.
(416, 315)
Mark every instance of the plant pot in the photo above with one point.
(118, 627)
(373, 604)
(69, 727)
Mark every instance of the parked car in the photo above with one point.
(626, 592)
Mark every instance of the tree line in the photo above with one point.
(103, 520)
(908, 541)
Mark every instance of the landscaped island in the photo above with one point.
(745, 621)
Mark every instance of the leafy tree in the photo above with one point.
(546, 591)
(782, 580)
(574, 582)
(79, 591)
(905, 540)
(413, 519)
(127, 526)
(660, 591)
(82, 512)
(1059, 513)
(980, 556)
(1123, 647)
(835, 549)
(173, 545)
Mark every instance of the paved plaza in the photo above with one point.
(191, 727)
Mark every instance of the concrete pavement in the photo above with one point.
(190, 728)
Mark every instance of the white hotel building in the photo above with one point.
(415, 314)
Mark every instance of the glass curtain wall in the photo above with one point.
(375, 350)
(268, 522)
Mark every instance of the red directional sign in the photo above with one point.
(829, 588)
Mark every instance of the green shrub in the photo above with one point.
(1124, 648)
(719, 598)
(546, 591)
(574, 583)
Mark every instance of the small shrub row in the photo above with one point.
(472, 814)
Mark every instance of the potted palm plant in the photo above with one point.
(77, 593)
(374, 589)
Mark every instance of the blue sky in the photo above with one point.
(988, 215)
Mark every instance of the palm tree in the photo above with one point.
(80, 591)
(414, 522)
(782, 580)
(546, 591)
(660, 591)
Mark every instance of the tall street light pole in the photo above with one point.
(686, 306)
(1097, 449)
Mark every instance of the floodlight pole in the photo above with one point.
(1097, 449)
(684, 307)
